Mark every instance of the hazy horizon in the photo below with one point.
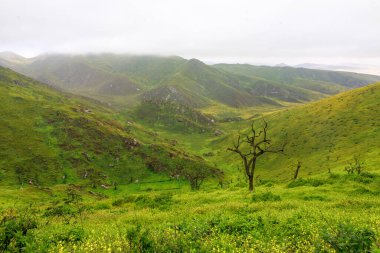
(373, 69)
(334, 32)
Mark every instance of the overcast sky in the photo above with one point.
(256, 31)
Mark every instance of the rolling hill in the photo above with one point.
(126, 80)
(324, 135)
(64, 145)
(50, 137)
(323, 81)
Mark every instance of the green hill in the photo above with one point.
(204, 85)
(50, 137)
(126, 80)
(324, 135)
(55, 148)
(327, 82)
(174, 117)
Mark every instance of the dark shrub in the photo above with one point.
(161, 201)
(267, 196)
(348, 238)
(314, 197)
(14, 230)
(306, 182)
(75, 234)
(118, 202)
(139, 240)
(59, 211)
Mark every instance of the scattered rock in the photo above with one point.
(19, 83)
(131, 143)
(218, 132)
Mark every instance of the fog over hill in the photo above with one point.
(124, 80)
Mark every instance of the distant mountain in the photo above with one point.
(357, 68)
(126, 80)
(321, 81)
(323, 67)
(12, 57)
(289, 75)
(12, 60)
(281, 65)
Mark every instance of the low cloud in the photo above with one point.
(283, 31)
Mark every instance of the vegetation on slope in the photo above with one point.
(49, 137)
(172, 116)
(53, 139)
(294, 217)
(324, 135)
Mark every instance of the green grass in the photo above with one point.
(275, 218)
(324, 135)
(68, 146)
(48, 137)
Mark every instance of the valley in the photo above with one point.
(126, 153)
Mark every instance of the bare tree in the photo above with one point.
(251, 147)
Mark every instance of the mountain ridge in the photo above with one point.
(126, 80)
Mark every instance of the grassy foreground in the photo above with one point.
(331, 213)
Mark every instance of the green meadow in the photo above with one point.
(329, 213)
(78, 175)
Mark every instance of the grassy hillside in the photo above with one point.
(324, 135)
(59, 146)
(198, 81)
(48, 137)
(173, 117)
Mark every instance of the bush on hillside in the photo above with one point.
(306, 182)
(15, 229)
(348, 238)
(264, 197)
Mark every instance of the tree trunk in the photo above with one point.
(250, 179)
(251, 174)
(297, 170)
